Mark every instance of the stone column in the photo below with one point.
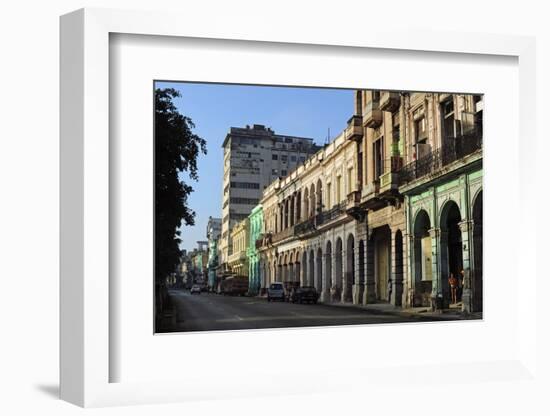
(369, 295)
(347, 295)
(303, 275)
(408, 265)
(396, 271)
(325, 293)
(335, 289)
(437, 289)
(358, 287)
(466, 229)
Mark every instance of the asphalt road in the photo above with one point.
(207, 312)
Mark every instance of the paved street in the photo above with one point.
(206, 312)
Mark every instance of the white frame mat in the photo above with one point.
(85, 353)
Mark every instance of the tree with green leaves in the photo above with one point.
(176, 151)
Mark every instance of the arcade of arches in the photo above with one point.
(373, 269)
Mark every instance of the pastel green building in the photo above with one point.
(444, 228)
(256, 224)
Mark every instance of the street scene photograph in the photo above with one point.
(285, 206)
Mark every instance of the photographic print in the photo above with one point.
(281, 207)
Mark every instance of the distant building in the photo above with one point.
(238, 261)
(213, 228)
(213, 232)
(254, 156)
(256, 229)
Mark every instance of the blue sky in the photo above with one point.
(214, 108)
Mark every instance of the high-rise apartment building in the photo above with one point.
(254, 156)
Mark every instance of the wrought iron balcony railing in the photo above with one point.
(305, 226)
(453, 149)
(323, 217)
(264, 241)
(281, 235)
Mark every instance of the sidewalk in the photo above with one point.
(419, 312)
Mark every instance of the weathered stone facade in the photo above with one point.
(388, 210)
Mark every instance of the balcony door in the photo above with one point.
(378, 157)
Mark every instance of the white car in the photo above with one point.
(196, 289)
(276, 290)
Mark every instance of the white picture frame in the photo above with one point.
(86, 355)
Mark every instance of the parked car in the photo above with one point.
(196, 289)
(289, 286)
(276, 290)
(304, 294)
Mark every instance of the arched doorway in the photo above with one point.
(361, 262)
(451, 248)
(274, 275)
(477, 271)
(297, 271)
(319, 271)
(291, 271)
(350, 268)
(339, 270)
(381, 241)
(311, 269)
(303, 281)
(422, 260)
(328, 265)
(397, 290)
(360, 288)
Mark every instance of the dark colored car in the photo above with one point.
(289, 287)
(304, 294)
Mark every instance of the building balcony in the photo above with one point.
(282, 235)
(305, 227)
(353, 208)
(353, 199)
(372, 198)
(389, 180)
(389, 101)
(372, 117)
(237, 258)
(264, 241)
(440, 159)
(354, 130)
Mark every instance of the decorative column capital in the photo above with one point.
(466, 225)
(435, 232)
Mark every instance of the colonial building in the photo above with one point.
(213, 232)
(388, 210)
(254, 156)
(309, 237)
(442, 186)
(238, 260)
(199, 262)
(256, 225)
